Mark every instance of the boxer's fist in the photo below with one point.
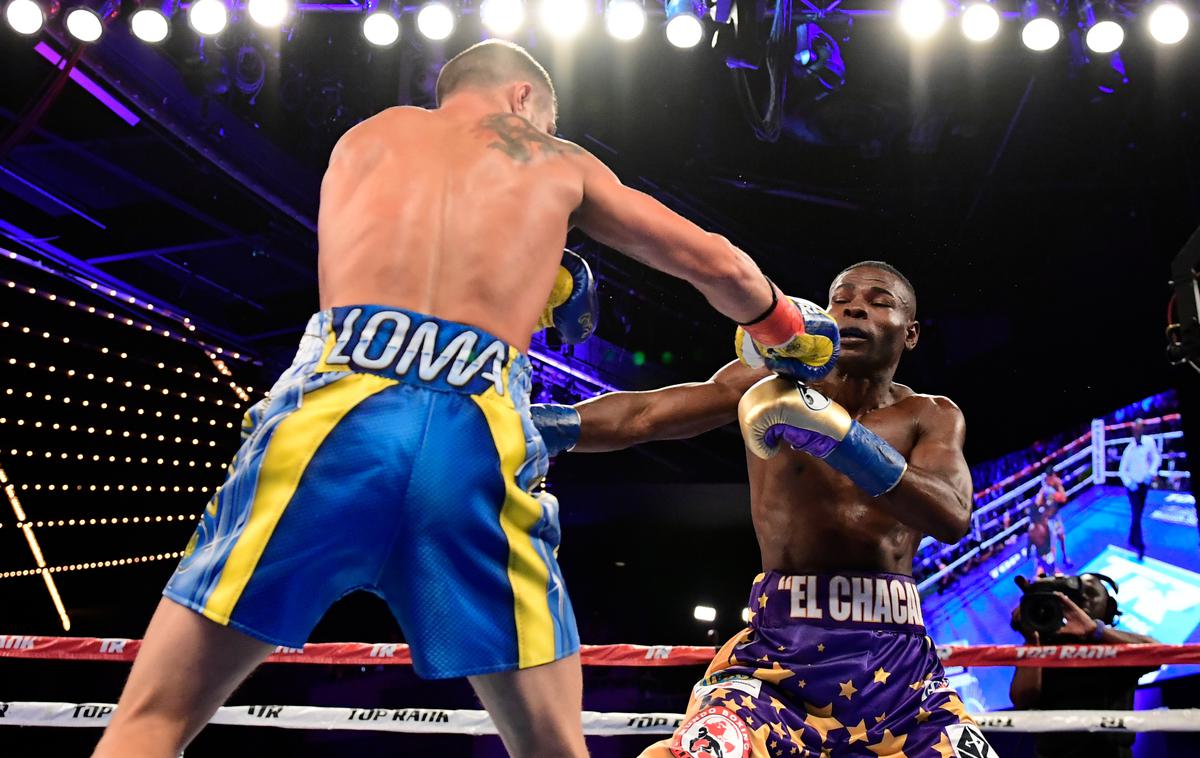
(778, 410)
(807, 354)
(573, 308)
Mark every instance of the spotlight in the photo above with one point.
(435, 20)
(625, 19)
(980, 22)
(87, 24)
(26, 16)
(564, 18)
(502, 16)
(269, 13)
(684, 28)
(381, 27)
(1168, 23)
(921, 19)
(208, 17)
(1041, 32)
(704, 613)
(1105, 37)
(746, 615)
(150, 23)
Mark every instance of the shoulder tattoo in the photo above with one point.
(520, 140)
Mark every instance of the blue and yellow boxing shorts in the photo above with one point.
(396, 455)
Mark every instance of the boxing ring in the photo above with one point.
(477, 722)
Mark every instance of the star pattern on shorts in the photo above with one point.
(943, 747)
(747, 701)
(732, 705)
(889, 745)
(762, 601)
(750, 617)
(778, 706)
(774, 675)
(821, 648)
(761, 733)
(858, 732)
(955, 706)
(718, 693)
(797, 739)
(881, 676)
(764, 659)
(916, 685)
(880, 717)
(782, 648)
(777, 728)
(922, 715)
(848, 688)
(821, 719)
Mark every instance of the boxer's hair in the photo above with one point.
(883, 266)
(489, 64)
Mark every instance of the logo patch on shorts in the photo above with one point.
(969, 742)
(712, 733)
(718, 681)
(934, 686)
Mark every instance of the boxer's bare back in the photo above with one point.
(448, 213)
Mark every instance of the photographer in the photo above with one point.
(1086, 619)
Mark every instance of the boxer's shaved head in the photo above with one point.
(909, 297)
(493, 63)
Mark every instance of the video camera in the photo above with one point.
(1042, 611)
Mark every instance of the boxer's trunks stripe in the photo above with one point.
(518, 516)
(283, 462)
(396, 455)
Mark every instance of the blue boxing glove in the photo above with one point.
(778, 410)
(797, 338)
(558, 425)
(573, 308)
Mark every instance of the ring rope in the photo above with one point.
(397, 654)
(474, 722)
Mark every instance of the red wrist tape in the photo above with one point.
(778, 328)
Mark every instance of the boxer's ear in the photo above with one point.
(911, 334)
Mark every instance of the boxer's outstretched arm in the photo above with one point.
(619, 420)
(935, 493)
(639, 226)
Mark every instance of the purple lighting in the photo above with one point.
(89, 84)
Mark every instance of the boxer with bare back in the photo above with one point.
(397, 455)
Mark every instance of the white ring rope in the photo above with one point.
(440, 721)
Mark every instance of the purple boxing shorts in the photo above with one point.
(831, 665)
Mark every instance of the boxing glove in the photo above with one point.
(802, 344)
(573, 307)
(778, 410)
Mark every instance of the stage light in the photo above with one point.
(502, 16)
(381, 27)
(87, 24)
(746, 615)
(980, 22)
(26, 16)
(625, 19)
(704, 613)
(208, 17)
(1168, 23)
(817, 57)
(1040, 34)
(151, 23)
(921, 19)
(269, 13)
(684, 28)
(435, 20)
(564, 18)
(1105, 37)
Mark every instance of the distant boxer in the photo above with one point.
(847, 474)
(397, 454)
(1051, 497)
